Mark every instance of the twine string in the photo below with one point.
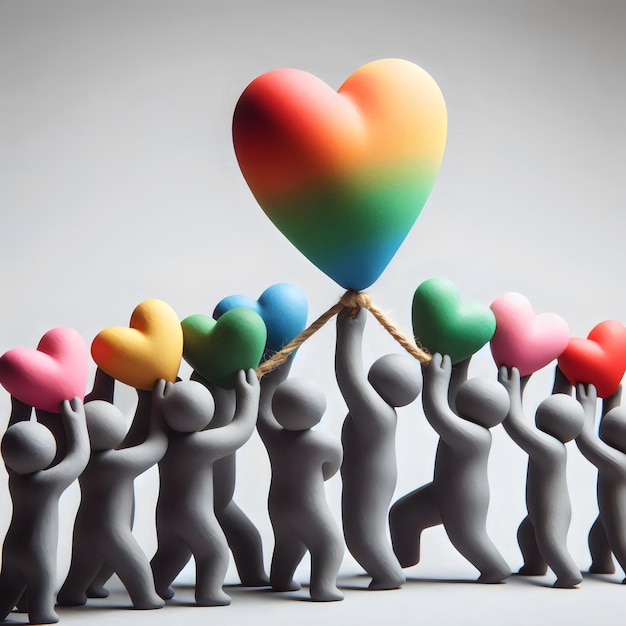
(353, 300)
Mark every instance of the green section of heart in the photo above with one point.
(443, 323)
(217, 350)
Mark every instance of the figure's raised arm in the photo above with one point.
(596, 451)
(612, 401)
(103, 387)
(267, 423)
(515, 423)
(78, 448)
(450, 427)
(20, 411)
(229, 438)
(358, 393)
(144, 455)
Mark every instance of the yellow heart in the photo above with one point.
(151, 348)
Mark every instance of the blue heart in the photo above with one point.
(284, 309)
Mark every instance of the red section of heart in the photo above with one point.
(599, 360)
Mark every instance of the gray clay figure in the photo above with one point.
(369, 468)
(29, 555)
(542, 535)
(244, 540)
(608, 453)
(103, 539)
(458, 497)
(185, 517)
(301, 460)
(104, 389)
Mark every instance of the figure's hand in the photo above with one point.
(439, 370)
(159, 391)
(587, 396)
(247, 385)
(347, 321)
(73, 410)
(509, 379)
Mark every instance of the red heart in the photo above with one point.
(600, 359)
(55, 371)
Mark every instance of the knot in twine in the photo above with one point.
(353, 300)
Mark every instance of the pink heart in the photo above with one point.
(525, 340)
(55, 371)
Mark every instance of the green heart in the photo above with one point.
(217, 350)
(443, 323)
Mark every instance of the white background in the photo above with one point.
(118, 183)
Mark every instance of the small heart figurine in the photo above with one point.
(151, 348)
(217, 350)
(283, 308)
(342, 174)
(599, 360)
(525, 340)
(55, 371)
(443, 323)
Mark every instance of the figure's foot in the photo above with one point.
(529, 570)
(149, 603)
(65, 598)
(257, 580)
(567, 582)
(217, 598)
(97, 591)
(329, 594)
(494, 576)
(602, 568)
(167, 593)
(291, 585)
(388, 582)
(43, 617)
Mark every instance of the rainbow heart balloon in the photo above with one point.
(343, 175)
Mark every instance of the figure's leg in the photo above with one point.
(472, 541)
(244, 541)
(326, 546)
(408, 517)
(553, 546)
(131, 565)
(210, 550)
(171, 556)
(534, 563)
(40, 583)
(83, 567)
(12, 587)
(288, 552)
(601, 557)
(97, 588)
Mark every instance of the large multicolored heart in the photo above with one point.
(218, 349)
(443, 323)
(599, 360)
(343, 175)
(284, 310)
(149, 349)
(525, 340)
(55, 371)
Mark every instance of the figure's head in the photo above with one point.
(106, 425)
(613, 428)
(28, 447)
(561, 416)
(298, 404)
(397, 378)
(188, 406)
(482, 401)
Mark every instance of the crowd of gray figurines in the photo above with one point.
(192, 430)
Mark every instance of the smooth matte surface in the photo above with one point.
(119, 183)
